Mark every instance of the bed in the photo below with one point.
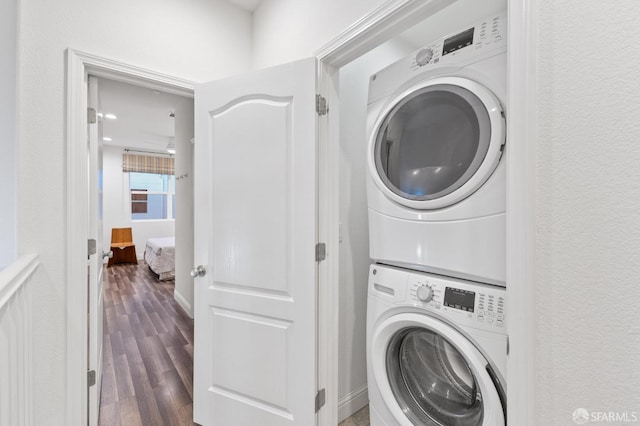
(160, 255)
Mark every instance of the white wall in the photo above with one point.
(117, 206)
(198, 40)
(588, 208)
(354, 248)
(287, 30)
(183, 292)
(8, 68)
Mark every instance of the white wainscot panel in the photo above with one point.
(17, 342)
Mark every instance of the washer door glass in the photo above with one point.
(432, 142)
(431, 380)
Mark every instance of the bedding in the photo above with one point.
(160, 255)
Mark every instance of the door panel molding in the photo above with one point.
(265, 99)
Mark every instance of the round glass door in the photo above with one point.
(435, 139)
(431, 380)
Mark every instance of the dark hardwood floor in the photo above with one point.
(148, 351)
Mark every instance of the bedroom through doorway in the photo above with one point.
(147, 192)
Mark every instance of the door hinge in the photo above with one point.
(320, 399)
(507, 345)
(321, 252)
(91, 247)
(92, 116)
(91, 378)
(321, 105)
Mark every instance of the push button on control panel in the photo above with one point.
(490, 310)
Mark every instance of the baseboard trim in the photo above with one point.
(352, 402)
(186, 306)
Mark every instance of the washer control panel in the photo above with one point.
(464, 302)
(491, 309)
(488, 33)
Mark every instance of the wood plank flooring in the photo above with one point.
(148, 351)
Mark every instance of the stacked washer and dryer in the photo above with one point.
(436, 339)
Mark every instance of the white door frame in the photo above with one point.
(370, 31)
(522, 140)
(390, 19)
(79, 66)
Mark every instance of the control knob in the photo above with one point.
(424, 293)
(424, 56)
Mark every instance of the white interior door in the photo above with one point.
(255, 234)
(94, 170)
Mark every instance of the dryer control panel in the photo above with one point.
(463, 302)
(466, 47)
(487, 34)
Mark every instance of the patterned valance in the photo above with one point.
(148, 164)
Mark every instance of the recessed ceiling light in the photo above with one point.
(110, 116)
(107, 139)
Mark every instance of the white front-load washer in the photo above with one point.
(436, 350)
(436, 172)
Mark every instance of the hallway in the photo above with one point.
(148, 351)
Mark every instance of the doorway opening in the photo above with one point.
(145, 179)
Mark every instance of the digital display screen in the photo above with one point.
(459, 299)
(458, 41)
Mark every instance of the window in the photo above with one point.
(152, 196)
(139, 201)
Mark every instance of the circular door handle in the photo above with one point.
(198, 271)
(108, 254)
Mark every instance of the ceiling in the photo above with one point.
(248, 5)
(143, 115)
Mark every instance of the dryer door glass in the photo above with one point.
(432, 142)
(431, 380)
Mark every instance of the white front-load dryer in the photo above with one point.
(436, 350)
(436, 172)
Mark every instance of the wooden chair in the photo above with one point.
(124, 250)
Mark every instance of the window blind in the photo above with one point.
(148, 164)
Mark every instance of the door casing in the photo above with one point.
(79, 67)
(370, 31)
